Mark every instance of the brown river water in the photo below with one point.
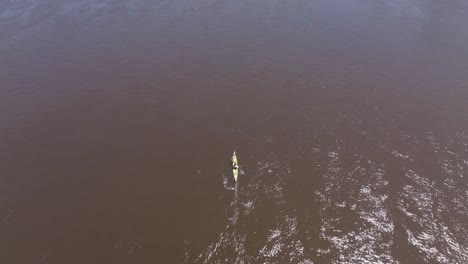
(118, 120)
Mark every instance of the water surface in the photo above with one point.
(118, 120)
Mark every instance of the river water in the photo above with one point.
(118, 120)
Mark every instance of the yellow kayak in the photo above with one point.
(235, 166)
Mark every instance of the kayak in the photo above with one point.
(235, 170)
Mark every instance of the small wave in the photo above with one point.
(424, 207)
(367, 237)
(227, 184)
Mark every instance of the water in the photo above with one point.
(118, 119)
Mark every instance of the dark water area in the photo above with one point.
(118, 120)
